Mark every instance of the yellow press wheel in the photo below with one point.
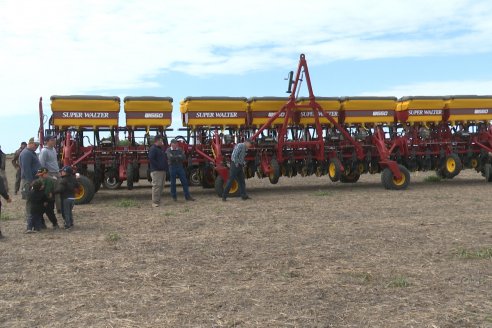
(85, 192)
(452, 166)
(391, 182)
(334, 169)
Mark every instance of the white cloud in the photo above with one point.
(436, 89)
(68, 47)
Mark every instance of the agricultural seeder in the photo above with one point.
(339, 137)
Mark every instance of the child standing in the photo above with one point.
(4, 194)
(38, 201)
(66, 188)
(49, 191)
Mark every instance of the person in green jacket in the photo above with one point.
(49, 190)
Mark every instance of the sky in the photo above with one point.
(235, 48)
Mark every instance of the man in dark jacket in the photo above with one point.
(16, 164)
(66, 188)
(30, 165)
(176, 157)
(3, 175)
(4, 194)
(158, 168)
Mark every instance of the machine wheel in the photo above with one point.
(220, 185)
(111, 183)
(130, 176)
(136, 172)
(86, 190)
(389, 181)
(487, 170)
(194, 177)
(352, 177)
(334, 169)
(207, 177)
(275, 171)
(452, 166)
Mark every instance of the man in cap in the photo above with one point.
(49, 190)
(236, 171)
(66, 188)
(16, 164)
(158, 168)
(175, 158)
(30, 165)
(49, 159)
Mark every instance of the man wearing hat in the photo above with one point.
(66, 188)
(176, 157)
(49, 190)
(30, 165)
(158, 168)
(49, 160)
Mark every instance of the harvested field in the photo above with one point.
(303, 253)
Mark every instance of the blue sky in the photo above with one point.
(235, 48)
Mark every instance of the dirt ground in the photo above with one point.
(303, 253)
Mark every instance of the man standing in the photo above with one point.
(158, 168)
(17, 167)
(3, 175)
(236, 171)
(176, 157)
(49, 159)
(30, 165)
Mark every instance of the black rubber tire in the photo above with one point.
(334, 169)
(87, 190)
(194, 178)
(349, 175)
(390, 183)
(208, 177)
(274, 176)
(136, 172)
(487, 170)
(220, 185)
(111, 184)
(452, 170)
(130, 176)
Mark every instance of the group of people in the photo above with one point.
(161, 162)
(171, 161)
(42, 185)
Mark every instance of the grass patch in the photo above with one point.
(484, 253)
(113, 237)
(361, 277)
(433, 179)
(168, 214)
(398, 282)
(321, 193)
(125, 203)
(6, 217)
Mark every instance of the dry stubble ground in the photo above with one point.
(303, 253)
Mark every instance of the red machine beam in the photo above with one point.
(41, 123)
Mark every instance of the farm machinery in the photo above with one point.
(342, 138)
(88, 138)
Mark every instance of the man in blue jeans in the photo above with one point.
(175, 158)
(236, 172)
